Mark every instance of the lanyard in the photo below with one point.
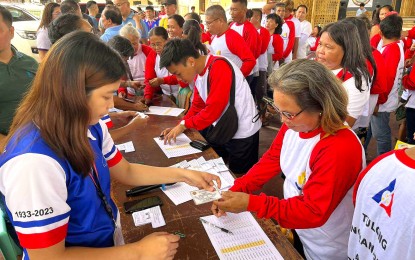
(101, 195)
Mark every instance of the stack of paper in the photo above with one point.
(247, 241)
(164, 111)
(180, 148)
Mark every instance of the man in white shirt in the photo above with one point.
(305, 31)
(362, 10)
(289, 6)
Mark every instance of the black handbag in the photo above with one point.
(227, 125)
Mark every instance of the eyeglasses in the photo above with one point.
(288, 115)
(209, 23)
(156, 45)
(120, 4)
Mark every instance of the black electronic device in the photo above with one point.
(201, 145)
(142, 189)
(141, 204)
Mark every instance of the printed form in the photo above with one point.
(248, 241)
(164, 111)
(180, 148)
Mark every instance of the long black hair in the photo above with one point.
(346, 35)
(364, 38)
(277, 19)
(192, 29)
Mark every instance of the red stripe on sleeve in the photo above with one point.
(238, 46)
(278, 44)
(116, 159)
(150, 73)
(43, 240)
(109, 123)
(291, 39)
(374, 41)
(379, 85)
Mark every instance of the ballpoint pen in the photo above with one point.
(213, 225)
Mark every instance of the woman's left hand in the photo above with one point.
(202, 180)
(234, 202)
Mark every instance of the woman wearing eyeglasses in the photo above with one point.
(157, 78)
(320, 157)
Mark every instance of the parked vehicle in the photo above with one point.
(25, 27)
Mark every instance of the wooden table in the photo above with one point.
(184, 217)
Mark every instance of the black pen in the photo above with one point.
(141, 189)
(213, 225)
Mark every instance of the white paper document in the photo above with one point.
(180, 148)
(180, 192)
(164, 111)
(152, 215)
(248, 241)
(128, 147)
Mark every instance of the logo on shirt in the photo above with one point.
(300, 181)
(385, 197)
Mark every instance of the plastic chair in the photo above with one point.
(7, 246)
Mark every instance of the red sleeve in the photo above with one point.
(364, 172)
(170, 80)
(123, 89)
(409, 54)
(407, 44)
(220, 77)
(237, 46)
(333, 175)
(379, 85)
(411, 33)
(266, 168)
(146, 49)
(278, 44)
(291, 39)
(391, 55)
(314, 48)
(206, 37)
(265, 38)
(408, 81)
(252, 39)
(374, 41)
(150, 73)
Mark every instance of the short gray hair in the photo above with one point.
(216, 11)
(129, 29)
(316, 89)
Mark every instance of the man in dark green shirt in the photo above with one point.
(17, 71)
